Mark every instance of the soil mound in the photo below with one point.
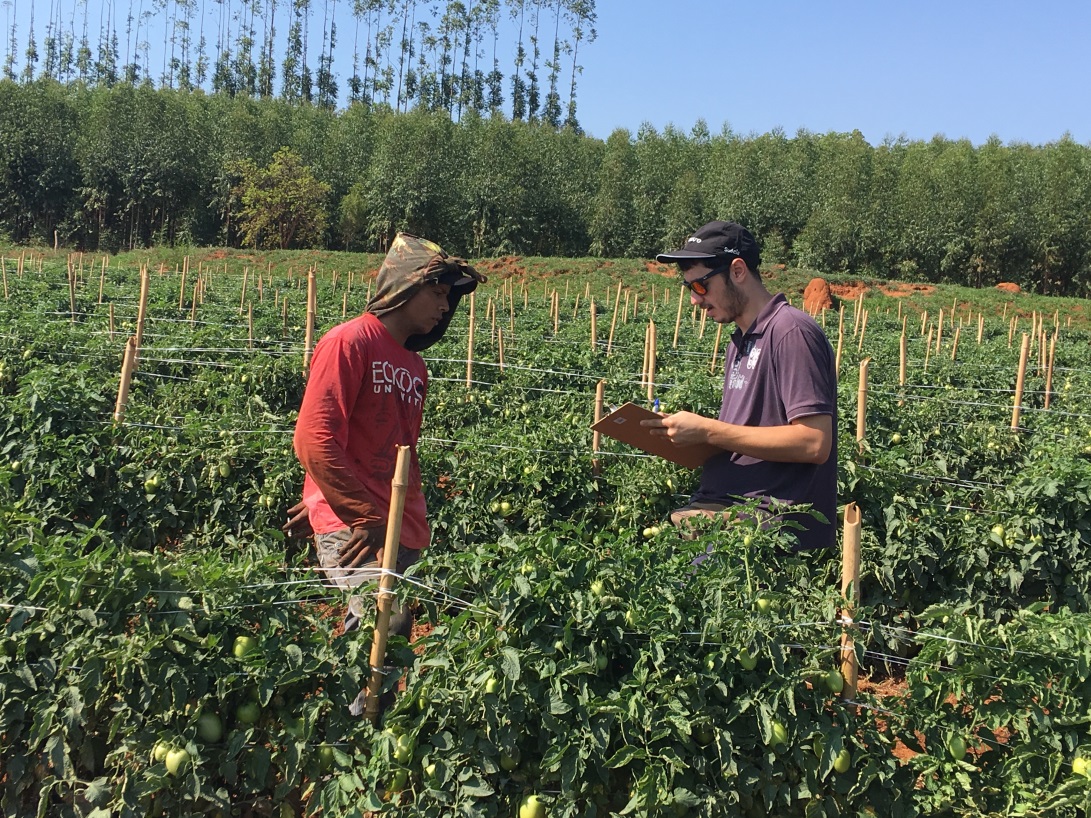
(817, 296)
(1008, 287)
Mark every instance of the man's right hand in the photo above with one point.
(364, 545)
(299, 521)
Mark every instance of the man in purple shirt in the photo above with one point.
(778, 422)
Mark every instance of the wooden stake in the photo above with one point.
(701, 329)
(596, 464)
(250, 324)
(1049, 367)
(928, 348)
(594, 327)
(837, 357)
(242, 296)
(924, 318)
(193, 306)
(1019, 381)
(110, 319)
(71, 291)
(715, 350)
(902, 359)
(284, 315)
(308, 339)
(500, 346)
(651, 361)
(470, 346)
(954, 343)
(101, 281)
(861, 401)
(386, 584)
(980, 327)
(4, 267)
(142, 312)
(863, 330)
(127, 364)
(850, 594)
(678, 317)
(182, 290)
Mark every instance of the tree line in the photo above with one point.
(405, 53)
(128, 166)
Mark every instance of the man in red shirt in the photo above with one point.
(364, 397)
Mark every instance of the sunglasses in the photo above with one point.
(699, 286)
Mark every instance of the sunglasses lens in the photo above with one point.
(699, 288)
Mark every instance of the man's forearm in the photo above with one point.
(327, 465)
(793, 443)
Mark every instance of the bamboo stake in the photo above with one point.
(284, 315)
(110, 319)
(651, 361)
(594, 327)
(924, 319)
(901, 359)
(1011, 328)
(1020, 379)
(576, 309)
(470, 346)
(837, 357)
(127, 365)
(71, 291)
(4, 267)
(308, 338)
(928, 348)
(980, 327)
(856, 315)
(596, 464)
(715, 350)
(193, 307)
(101, 281)
(861, 401)
(142, 312)
(954, 343)
(644, 363)
(678, 317)
(250, 324)
(850, 594)
(500, 346)
(182, 290)
(556, 312)
(344, 304)
(863, 330)
(701, 330)
(386, 583)
(841, 319)
(1049, 367)
(242, 296)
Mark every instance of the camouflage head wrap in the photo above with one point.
(412, 263)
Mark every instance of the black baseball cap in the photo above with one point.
(717, 240)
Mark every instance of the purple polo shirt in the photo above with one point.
(781, 369)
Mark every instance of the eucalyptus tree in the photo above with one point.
(613, 217)
(584, 14)
(518, 84)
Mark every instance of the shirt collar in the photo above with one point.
(765, 316)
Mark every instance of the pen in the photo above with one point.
(655, 405)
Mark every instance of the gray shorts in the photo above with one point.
(328, 546)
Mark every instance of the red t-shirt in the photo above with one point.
(364, 397)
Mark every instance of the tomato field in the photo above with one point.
(167, 651)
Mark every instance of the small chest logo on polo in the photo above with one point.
(738, 376)
(386, 378)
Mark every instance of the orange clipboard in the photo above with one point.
(624, 424)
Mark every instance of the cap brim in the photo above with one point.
(682, 255)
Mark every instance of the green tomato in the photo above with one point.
(209, 728)
(492, 685)
(532, 807)
(747, 660)
(225, 469)
(509, 762)
(998, 531)
(597, 588)
(399, 780)
(177, 759)
(778, 734)
(703, 734)
(956, 746)
(764, 603)
(326, 757)
(248, 713)
(835, 682)
(896, 438)
(505, 508)
(403, 749)
(243, 646)
(843, 762)
(159, 751)
(16, 466)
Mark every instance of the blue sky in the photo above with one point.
(1020, 71)
(966, 69)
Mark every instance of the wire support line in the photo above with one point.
(975, 485)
